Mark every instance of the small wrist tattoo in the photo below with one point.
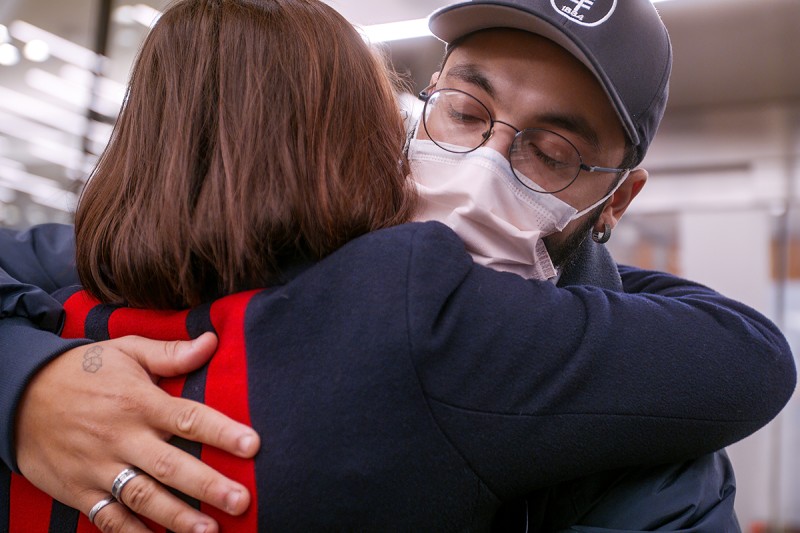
(92, 360)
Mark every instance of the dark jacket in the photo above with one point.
(694, 496)
(398, 385)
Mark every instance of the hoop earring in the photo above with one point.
(602, 237)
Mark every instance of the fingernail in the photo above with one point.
(232, 500)
(245, 441)
(200, 528)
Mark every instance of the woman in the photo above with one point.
(253, 179)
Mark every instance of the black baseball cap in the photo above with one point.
(623, 43)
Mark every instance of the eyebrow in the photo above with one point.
(469, 73)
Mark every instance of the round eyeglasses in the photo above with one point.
(542, 160)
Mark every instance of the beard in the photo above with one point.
(563, 251)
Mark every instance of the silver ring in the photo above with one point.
(99, 505)
(122, 479)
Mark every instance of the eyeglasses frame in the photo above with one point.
(425, 96)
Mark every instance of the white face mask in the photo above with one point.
(477, 195)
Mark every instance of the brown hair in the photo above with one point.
(255, 133)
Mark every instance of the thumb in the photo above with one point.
(171, 358)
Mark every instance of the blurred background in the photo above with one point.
(721, 205)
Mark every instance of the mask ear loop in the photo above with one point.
(411, 134)
(603, 199)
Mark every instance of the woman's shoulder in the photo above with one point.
(387, 264)
(412, 244)
(413, 234)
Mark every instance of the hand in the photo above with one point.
(116, 417)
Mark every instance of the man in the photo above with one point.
(573, 105)
(521, 78)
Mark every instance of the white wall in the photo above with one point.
(724, 174)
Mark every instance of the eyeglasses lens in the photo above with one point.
(542, 160)
(456, 121)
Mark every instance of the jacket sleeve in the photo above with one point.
(24, 349)
(32, 264)
(535, 384)
(695, 496)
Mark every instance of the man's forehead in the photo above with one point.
(508, 55)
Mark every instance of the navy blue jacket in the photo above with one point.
(454, 388)
(694, 496)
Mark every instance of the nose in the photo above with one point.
(501, 137)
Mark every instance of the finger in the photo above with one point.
(200, 423)
(175, 468)
(169, 358)
(115, 517)
(184, 418)
(148, 498)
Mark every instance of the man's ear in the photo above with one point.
(435, 78)
(622, 198)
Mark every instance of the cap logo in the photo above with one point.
(585, 12)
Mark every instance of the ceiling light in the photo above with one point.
(37, 50)
(145, 15)
(76, 164)
(52, 115)
(16, 127)
(47, 82)
(107, 88)
(42, 190)
(4, 37)
(9, 55)
(395, 31)
(124, 15)
(61, 48)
